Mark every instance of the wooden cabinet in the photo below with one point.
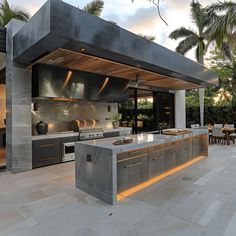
(131, 170)
(48, 151)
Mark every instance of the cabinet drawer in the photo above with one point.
(131, 154)
(46, 152)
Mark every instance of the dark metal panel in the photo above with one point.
(3, 39)
(59, 25)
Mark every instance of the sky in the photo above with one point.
(138, 17)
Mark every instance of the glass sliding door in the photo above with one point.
(165, 110)
(128, 111)
(147, 110)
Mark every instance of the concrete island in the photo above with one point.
(105, 170)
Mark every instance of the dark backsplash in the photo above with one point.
(59, 114)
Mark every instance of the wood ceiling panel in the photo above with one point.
(80, 61)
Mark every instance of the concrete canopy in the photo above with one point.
(60, 25)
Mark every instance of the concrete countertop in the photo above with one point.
(139, 141)
(55, 135)
(71, 134)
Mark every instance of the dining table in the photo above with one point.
(227, 131)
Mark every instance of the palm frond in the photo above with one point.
(187, 44)
(95, 7)
(148, 37)
(226, 50)
(198, 15)
(182, 33)
(221, 6)
(7, 13)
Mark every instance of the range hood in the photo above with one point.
(52, 82)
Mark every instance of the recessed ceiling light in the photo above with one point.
(82, 49)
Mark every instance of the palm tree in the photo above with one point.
(191, 39)
(7, 13)
(223, 27)
(223, 32)
(94, 7)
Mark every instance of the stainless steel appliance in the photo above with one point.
(68, 151)
(90, 133)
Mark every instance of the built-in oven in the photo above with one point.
(68, 151)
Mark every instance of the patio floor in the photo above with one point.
(199, 200)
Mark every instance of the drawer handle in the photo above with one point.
(46, 145)
(130, 158)
(136, 164)
(47, 159)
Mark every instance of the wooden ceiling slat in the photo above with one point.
(80, 61)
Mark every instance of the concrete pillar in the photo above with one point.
(18, 92)
(180, 111)
(201, 99)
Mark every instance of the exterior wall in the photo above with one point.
(180, 111)
(59, 114)
(18, 127)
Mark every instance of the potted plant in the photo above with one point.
(141, 119)
(116, 120)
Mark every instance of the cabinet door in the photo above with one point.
(156, 163)
(185, 151)
(131, 172)
(137, 170)
(196, 146)
(122, 176)
(170, 159)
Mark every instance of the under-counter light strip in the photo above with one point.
(135, 189)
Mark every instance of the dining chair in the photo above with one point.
(229, 126)
(218, 125)
(232, 137)
(217, 134)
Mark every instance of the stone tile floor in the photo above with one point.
(45, 202)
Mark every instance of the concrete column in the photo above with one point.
(201, 99)
(18, 92)
(180, 111)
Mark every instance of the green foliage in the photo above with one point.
(117, 117)
(148, 37)
(190, 38)
(94, 7)
(144, 104)
(7, 13)
(142, 117)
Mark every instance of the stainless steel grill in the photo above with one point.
(90, 133)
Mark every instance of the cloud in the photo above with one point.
(144, 20)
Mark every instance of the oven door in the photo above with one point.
(68, 151)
